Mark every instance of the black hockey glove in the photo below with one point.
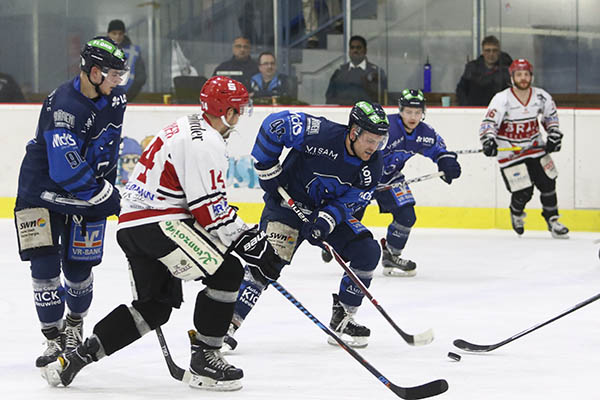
(554, 140)
(490, 147)
(254, 248)
(106, 201)
(447, 162)
(269, 177)
(318, 227)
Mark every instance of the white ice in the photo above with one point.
(479, 285)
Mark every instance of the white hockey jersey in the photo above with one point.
(180, 175)
(513, 123)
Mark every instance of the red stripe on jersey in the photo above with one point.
(525, 153)
(169, 179)
(132, 216)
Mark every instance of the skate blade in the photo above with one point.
(559, 236)
(51, 373)
(356, 342)
(397, 272)
(206, 383)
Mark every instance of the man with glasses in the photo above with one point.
(66, 191)
(268, 82)
(240, 66)
(331, 172)
(484, 76)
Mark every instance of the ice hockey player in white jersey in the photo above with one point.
(176, 225)
(511, 120)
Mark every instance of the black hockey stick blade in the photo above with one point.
(176, 372)
(417, 392)
(482, 348)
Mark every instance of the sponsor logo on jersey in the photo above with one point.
(40, 222)
(195, 127)
(65, 139)
(46, 297)
(219, 209)
(366, 196)
(118, 100)
(296, 121)
(320, 151)
(313, 126)
(365, 175)
(171, 130)
(63, 119)
(425, 140)
(139, 191)
(396, 142)
(87, 246)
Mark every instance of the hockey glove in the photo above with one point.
(447, 162)
(269, 177)
(318, 227)
(490, 147)
(106, 201)
(254, 248)
(554, 140)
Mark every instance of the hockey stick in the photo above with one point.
(464, 345)
(416, 392)
(387, 186)
(475, 151)
(414, 340)
(176, 372)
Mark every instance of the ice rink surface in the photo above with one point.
(479, 285)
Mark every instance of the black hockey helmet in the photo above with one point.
(104, 53)
(412, 98)
(370, 117)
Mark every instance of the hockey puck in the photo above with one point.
(454, 356)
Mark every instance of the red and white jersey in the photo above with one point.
(514, 123)
(182, 174)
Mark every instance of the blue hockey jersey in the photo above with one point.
(318, 172)
(402, 146)
(75, 148)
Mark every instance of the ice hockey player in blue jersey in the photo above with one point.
(409, 135)
(66, 192)
(331, 172)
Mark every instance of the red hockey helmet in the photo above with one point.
(520, 64)
(220, 93)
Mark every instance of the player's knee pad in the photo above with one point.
(363, 255)
(79, 295)
(121, 327)
(405, 216)
(49, 295)
(228, 277)
(521, 197)
(154, 313)
(45, 266)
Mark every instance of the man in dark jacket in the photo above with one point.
(137, 68)
(358, 79)
(10, 92)
(484, 76)
(239, 67)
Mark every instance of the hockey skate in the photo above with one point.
(394, 265)
(209, 370)
(326, 256)
(229, 342)
(343, 325)
(518, 222)
(73, 332)
(558, 230)
(64, 369)
(55, 345)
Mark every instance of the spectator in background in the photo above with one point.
(268, 82)
(10, 92)
(485, 76)
(358, 79)
(137, 69)
(239, 67)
